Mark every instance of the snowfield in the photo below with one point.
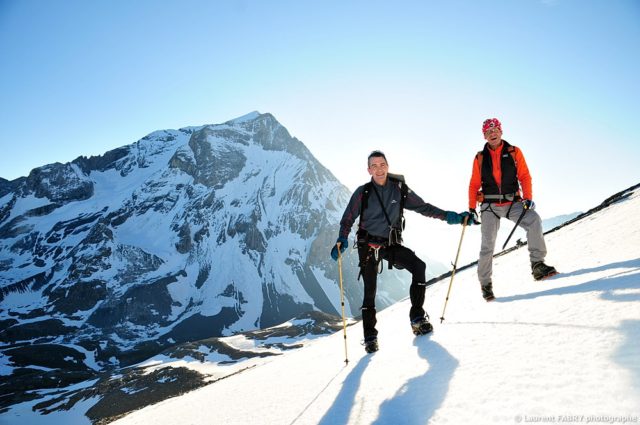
(565, 350)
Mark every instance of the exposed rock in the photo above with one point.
(198, 326)
(148, 303)
(136, 390)
(278, 308)
(51, 356)
(102, 162)
(209, 163)
(184, 243)
(59, 183)
(79, 296)
(31, 330)
(6, 186)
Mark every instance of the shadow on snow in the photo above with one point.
(628, 352)
(341, 408)
(417, 400)
(627, 279)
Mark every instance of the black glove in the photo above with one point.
(528, 204)
(473, 217)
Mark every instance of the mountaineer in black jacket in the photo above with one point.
(380, 205)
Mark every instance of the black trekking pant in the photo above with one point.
(401, 258)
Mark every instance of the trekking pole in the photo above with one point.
(344, 323)
(455, 264)
(524, 210)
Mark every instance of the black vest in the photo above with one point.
(509, 181)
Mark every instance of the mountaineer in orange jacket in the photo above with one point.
(501, 184)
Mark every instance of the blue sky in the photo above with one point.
(413, 78)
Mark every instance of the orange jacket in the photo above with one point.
(524, 178)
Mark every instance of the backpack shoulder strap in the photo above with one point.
(365, 200)
(479, 157)
(512, 151)
(404, 192)
(399, 178)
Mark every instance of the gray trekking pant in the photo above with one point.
(490, 223)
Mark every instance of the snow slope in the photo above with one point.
(563, 350)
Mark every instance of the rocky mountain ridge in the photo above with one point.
(188, 234)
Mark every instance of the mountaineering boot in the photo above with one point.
(540, 270)
(487, 292)
(371, 344)
(421, 326)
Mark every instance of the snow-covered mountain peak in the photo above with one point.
(185, 234)
(248, 117)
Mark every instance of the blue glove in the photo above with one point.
(344, 244)
(454, 217)
(473, 217)
(528, 204)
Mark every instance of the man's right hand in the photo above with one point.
(473, 217)
(342, 244)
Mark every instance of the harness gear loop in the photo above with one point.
(373, 250)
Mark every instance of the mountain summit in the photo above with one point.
(186, 234)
